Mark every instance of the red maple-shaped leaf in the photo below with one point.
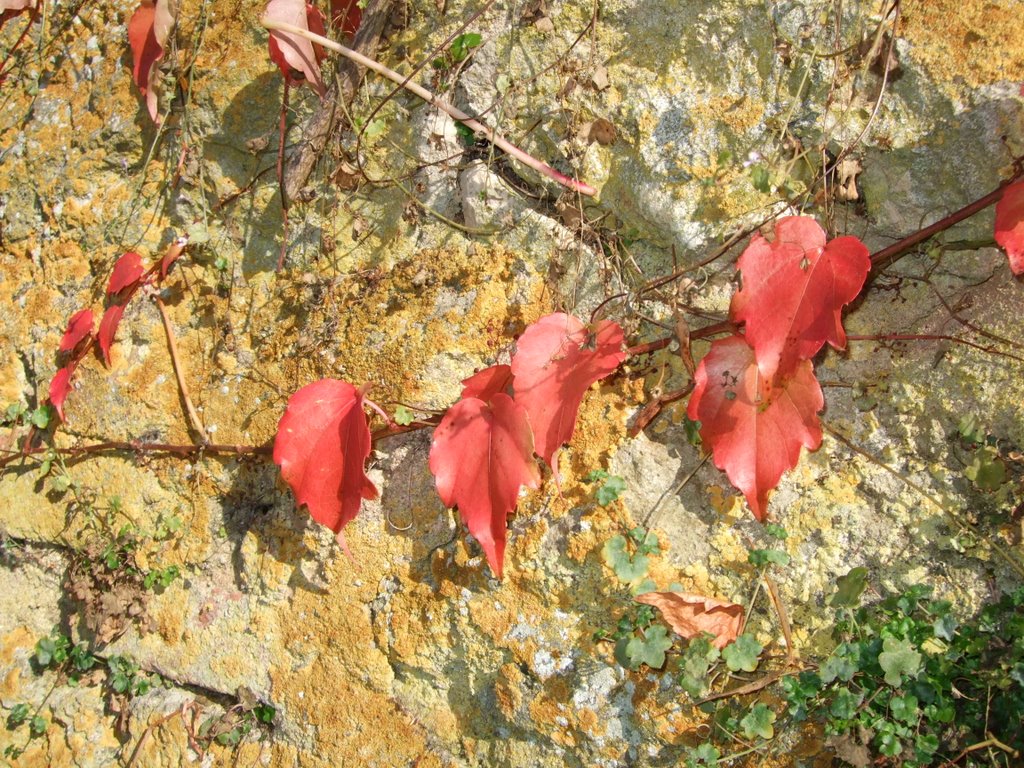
(794, 290)
(60, 385)
(487, 383)
(755, 432)
(481, 455)
(557, 359)
(79, 327)
(1010, 225)
(346, 15)
(297, 57)
(127, 272)
(148, 30)
(322, 444)
(108, 327)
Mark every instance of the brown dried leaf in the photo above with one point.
(691, 615)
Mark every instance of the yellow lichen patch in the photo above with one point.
(978, 42)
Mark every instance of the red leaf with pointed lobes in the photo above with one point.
(1010, 225)
(755, 432)
(794, 290)
(487, 383)
(60, 385)
(108, 327)
(297, 58)
(557, 359)
(127, 272)
(322, 444)
(79, 327)
(481, 455)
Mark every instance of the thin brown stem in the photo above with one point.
(172, 345)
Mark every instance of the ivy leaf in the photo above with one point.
(628, 568)
(794, 290)
(60, 385)
(839, 666)
(1010, 225)
(481, 455)
(79, 328)
(127, 272)
(754, 434)
(693, 615)
(108, 328)
(758, 722)
(297, 58)
(898, 659)
(488, 382)
(742, 654)
(648, 648)
(849, 588)
(322, 444)
(148, 30)
(557, 359)
(403, 416)
(610, 490)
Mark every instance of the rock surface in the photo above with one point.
(417, 259)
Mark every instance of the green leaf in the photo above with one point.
(692, 429)
(649, 648)
(265, 713)
(611, 490)
(696, 661)
(761, 179)
(404, 416)
(849, 588)
(970, 429)
(742, 653)
(760, 557)
(37, 725)
(844, 704)
(898, 660)
(838, 666)
(758, 722)
(776, 530)
(705, 754)
(904, 708)
(944, 627)
(594, 475)
(616, 556)
(987, 470)
(19, 714)
(374, 128)
(42, 416)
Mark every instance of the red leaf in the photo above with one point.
(755, 431)
(1010, 225)
(11, 8)
(148, 30)
(322, 444)
(556, 360)
(794, 290)
(108, 327)
(297, 57)
(60, 385)
(173, 252)
(127, 273)
(487, 383)
(79, 327)
(346, 15)
(481, 454)
(692, 615)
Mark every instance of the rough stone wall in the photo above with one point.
(411, 654)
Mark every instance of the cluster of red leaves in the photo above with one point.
(78, 339)
(483, 449)
(298, 58)
(755, 393)
(148, 31)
